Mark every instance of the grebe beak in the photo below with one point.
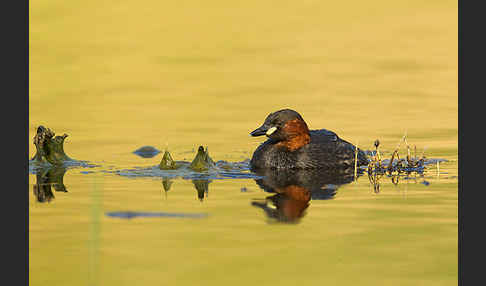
(263, 130)
(259, 131)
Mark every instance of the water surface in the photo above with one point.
(120, 76)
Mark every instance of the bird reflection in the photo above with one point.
(294, 189)
(47, 178)
(288, 205)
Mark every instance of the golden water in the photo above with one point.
(118, 75)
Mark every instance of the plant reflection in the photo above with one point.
(376, 178)
(167, 183)
(294, 189)
(46, 178)
(201, 186)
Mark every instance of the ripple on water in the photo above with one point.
(35, 166)
(222, 170)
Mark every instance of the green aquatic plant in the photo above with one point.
(167, 162)
(49, 149)
(202, 161)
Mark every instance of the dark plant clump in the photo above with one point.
(49, 149)
(395, 166)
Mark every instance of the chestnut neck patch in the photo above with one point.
(297, 134)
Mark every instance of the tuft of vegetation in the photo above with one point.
(49, 149)
(395, 166)
(202, 161)
(167, 162)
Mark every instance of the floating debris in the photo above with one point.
(146, 152)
